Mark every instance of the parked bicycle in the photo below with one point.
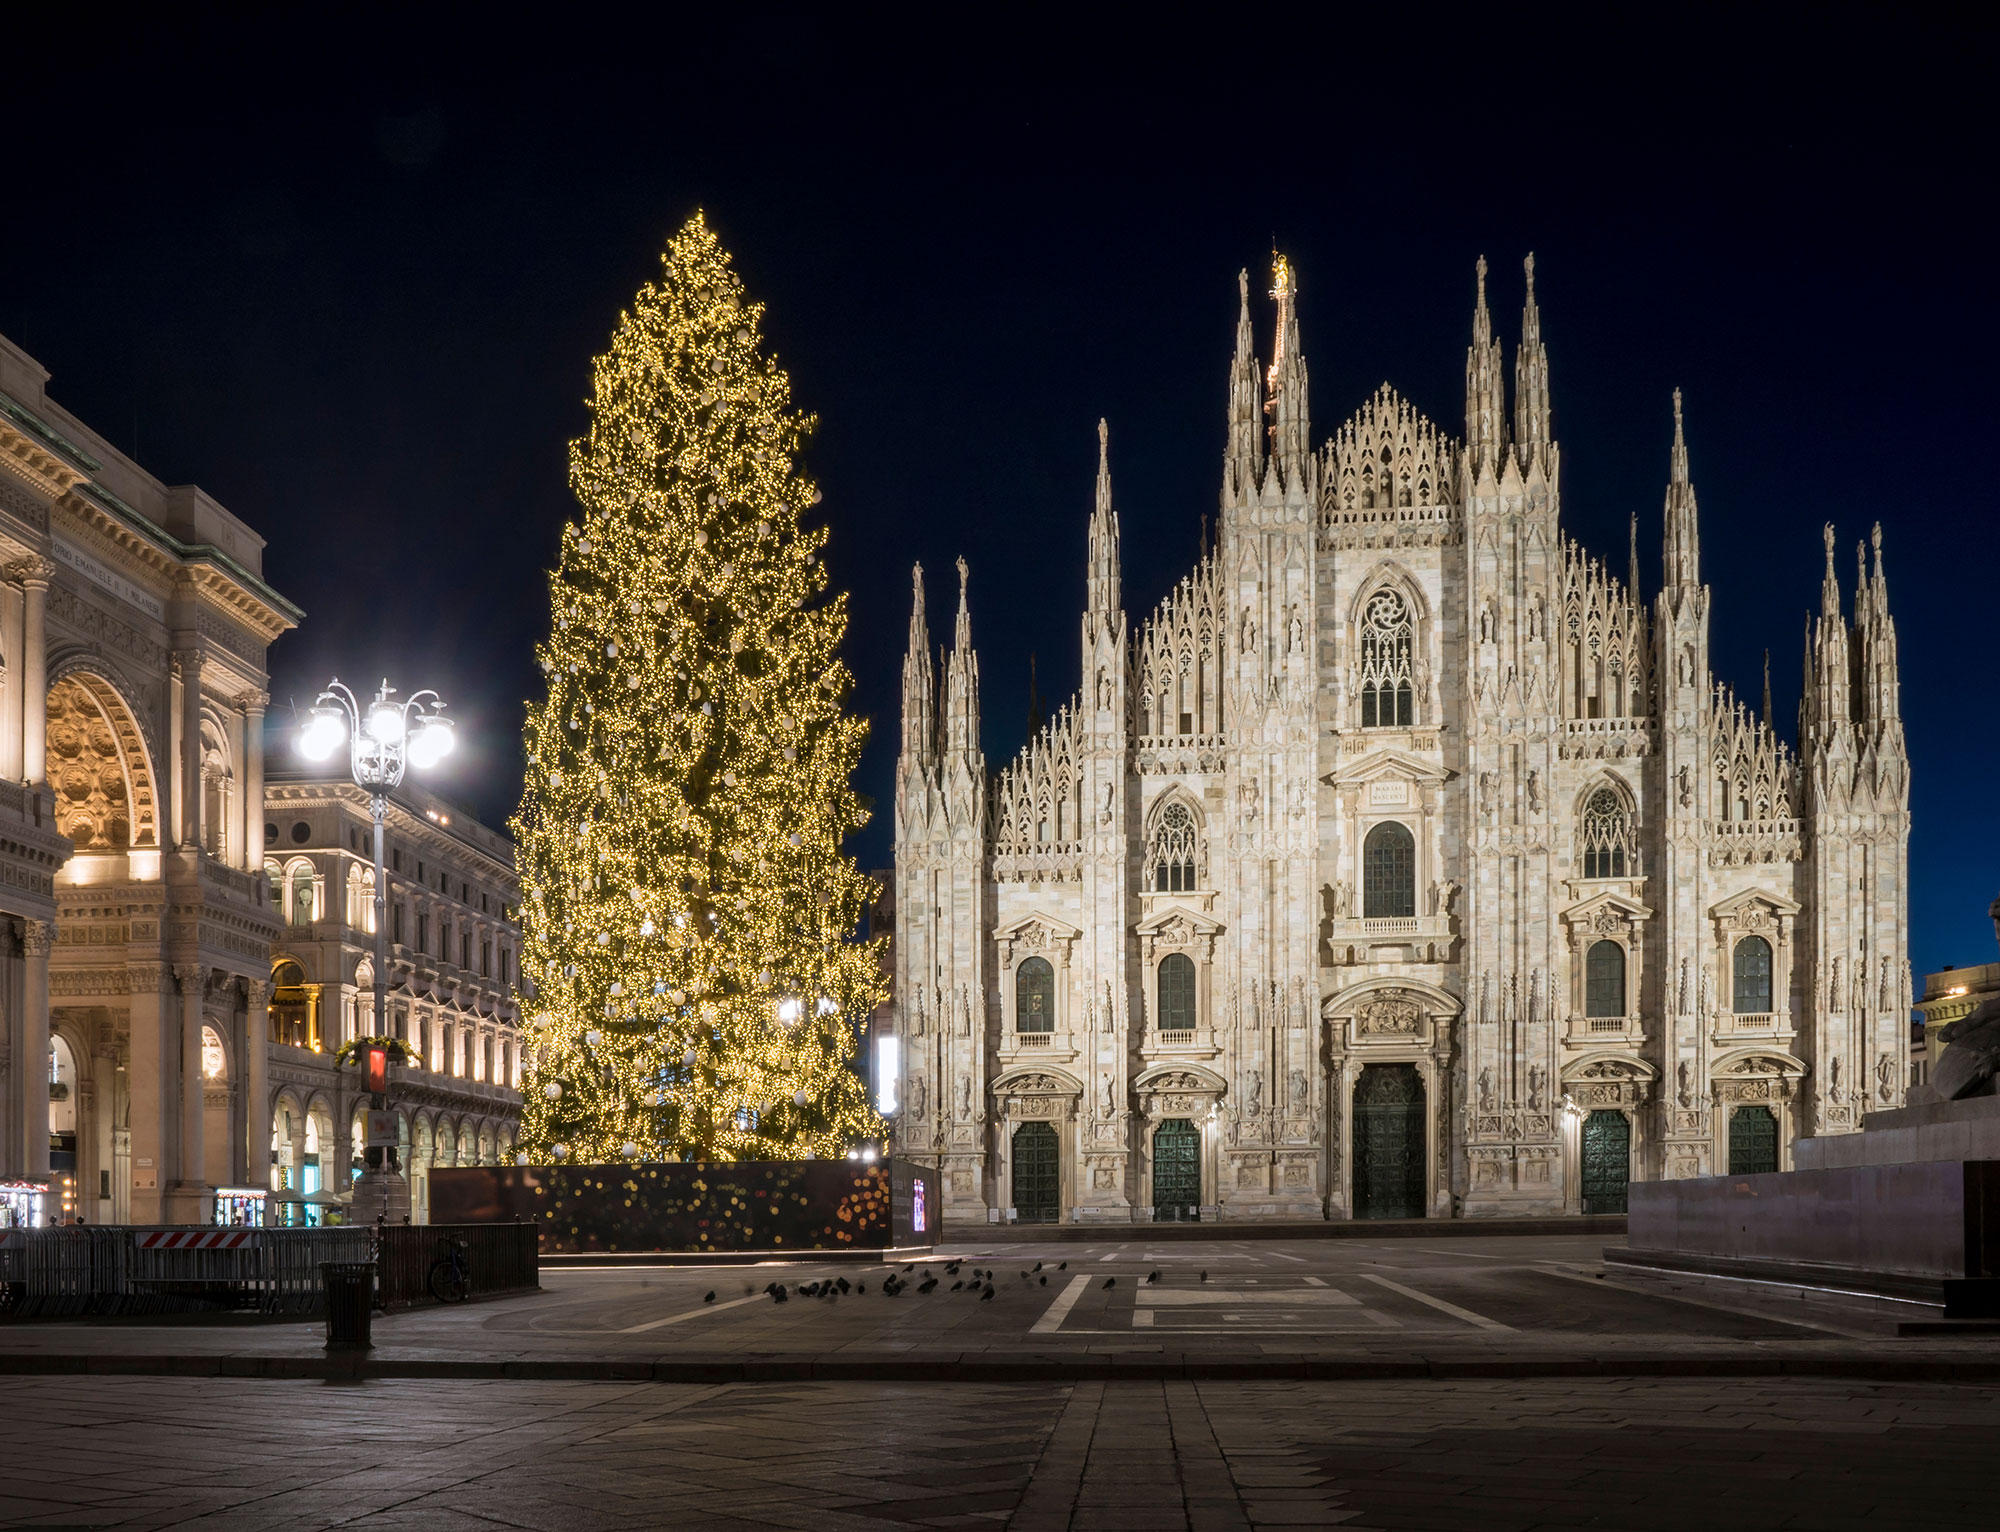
(450, 1273)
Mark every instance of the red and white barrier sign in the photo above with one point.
(191, 1239)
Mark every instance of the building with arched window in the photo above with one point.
(135, 930)
(453, 969)
(1407, 858)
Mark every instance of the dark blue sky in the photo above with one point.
(347, 271)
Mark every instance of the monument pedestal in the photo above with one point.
(380, 1194)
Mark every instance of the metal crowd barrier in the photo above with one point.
(105, 1270)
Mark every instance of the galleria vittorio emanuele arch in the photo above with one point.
(1407, 858)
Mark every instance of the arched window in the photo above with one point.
(304, 888)
(1172, 853)
(1604, 980)
(291, 1005)
(1177, 993)
(1752, 964)
(1385, 662)
(214, 1060)
(1388, 872)
(1035, 996)
(1606, 836)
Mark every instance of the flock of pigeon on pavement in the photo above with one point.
(897, 1283)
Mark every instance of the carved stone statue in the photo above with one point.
(1972, 1055)
(1298, 1090)
(1686, 784)
(1684, 1085)
(918, 1098)
(1885, 1078)
(1834, 1092)
(1486, 1089)
(1538, 1079)
(1488, 785)
(1110, 1096)
(1342, 897)
(1534, 792)
(1254, 1096)
(964, 1099)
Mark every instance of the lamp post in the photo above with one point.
(384, 738)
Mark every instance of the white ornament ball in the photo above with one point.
(593, 1037)
(552, 1090)
(688, 1057)
(603, 938)
(559, 1151)
(611, 650)
(629, 1149)
(521, 1158)
(799, 1098)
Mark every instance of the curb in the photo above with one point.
(1094, 1369)
(1257, 1229)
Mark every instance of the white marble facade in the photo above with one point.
(1399, 794)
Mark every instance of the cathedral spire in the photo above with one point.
(1103, 579)
(1832, 679)
(1290, 428)
(1243, 467)
(1485, 391)
(919, 690)
(961, 684)
(1632, 559)
(1880, 684)
(1531, 378)
(1768, 717)
(1681, 558)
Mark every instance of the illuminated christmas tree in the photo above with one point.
(689, 916)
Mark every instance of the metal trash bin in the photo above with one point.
(350, 1304)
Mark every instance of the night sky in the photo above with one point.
(347, 271)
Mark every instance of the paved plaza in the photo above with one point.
(1484, 1455)
(1487, 1383)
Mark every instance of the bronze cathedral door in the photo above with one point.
(1389, 1142)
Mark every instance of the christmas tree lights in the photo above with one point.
(688, 915)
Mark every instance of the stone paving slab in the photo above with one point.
(143, 1453)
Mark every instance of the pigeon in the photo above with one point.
(1152, 1277)
(957, 1285)
(1043, 1280)
(1062, 1266)
(860, 1288)
(951, 1268)
(910, 1266)
(842, 1283)
(1204, 1276)
(710, 1298)
(778, 1295)
(927, 1284)
(1038, 1265)
(1024, 1276)
(986, 1296)
(1110, 1281)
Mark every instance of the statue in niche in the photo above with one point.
(1249, 631)
(1254, 1097)
(1299, 1091)
(1687, 666)
(1686, 789)
(1488, 786)
(1534, 792)
(1684, 1088)
(1104, 809)
(1538, 1079)
(1535, 619)
(1342, 896)
(918, 1098)
(1110, 1097)
(1486, 1088)
(1834, 1092)
(1295, 633)
(1486, 623)
(1885, 1078)
(964, 1099)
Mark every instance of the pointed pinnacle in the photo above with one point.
(964, 572)
(1680, 457)
(1103, 464)
(1528, 266)
(1243, 293)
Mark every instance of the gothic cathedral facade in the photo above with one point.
(1403, 861)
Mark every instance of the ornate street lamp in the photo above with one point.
(384, 738)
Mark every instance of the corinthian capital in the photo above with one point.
(31, 570)
(38, 937)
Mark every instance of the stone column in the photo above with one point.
(37, 937)
(256, 1074)
(103, 1128)
(153, 1125)
(189, 829)
(11, 646)
(187, 1195)
(34, 575)
(254, 704)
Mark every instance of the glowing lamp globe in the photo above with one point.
(385, 723)
(431, 744)
(323, 735)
